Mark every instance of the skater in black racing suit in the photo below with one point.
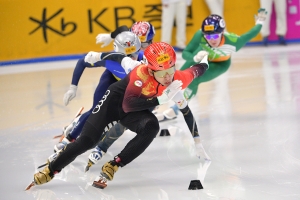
(127, 101)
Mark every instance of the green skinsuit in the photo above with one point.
(219, 58)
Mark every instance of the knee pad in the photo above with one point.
(149, 126)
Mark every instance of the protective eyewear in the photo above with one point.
(163, 73)
(213, 36)
(146, 44)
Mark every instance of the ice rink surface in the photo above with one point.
(248, 119)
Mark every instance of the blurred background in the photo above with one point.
(59, 30)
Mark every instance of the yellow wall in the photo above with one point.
(22, 38)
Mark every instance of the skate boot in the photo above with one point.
(54, 156)
(61, 145)
(43, 176)
(94, 157)
(108, 171)
(199, 149)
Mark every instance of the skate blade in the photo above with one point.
(57, 136)
(90, 163)
(61, 136)
(79, 111)
(99, 185)
(87, 168)
(43, 165)
(30, 185)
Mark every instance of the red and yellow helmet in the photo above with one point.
(160, 56)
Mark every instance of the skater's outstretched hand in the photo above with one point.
(180, 99)
(92, 57)
(199, 149)
(70, 94)
(200, 55)
(205, 60)
(170, 92)
(103, 38)
(261, 16)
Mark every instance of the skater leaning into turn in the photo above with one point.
(114, 72)
(145, 31)
(128, 101)
(219, 45)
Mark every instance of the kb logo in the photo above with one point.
(97, 108)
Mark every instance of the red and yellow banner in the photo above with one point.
(54, 28)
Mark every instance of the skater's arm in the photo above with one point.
(193, 47)
(189, 74)
(78, 70)
(252, 33)
(127, 63)
(190, 121)
(106, 38)
(182, 104)
(118, 31)
(81, 65)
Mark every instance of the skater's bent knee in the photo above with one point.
(150, 126)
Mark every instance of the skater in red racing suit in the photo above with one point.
(127, 101)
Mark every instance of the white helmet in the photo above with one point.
(128, 43)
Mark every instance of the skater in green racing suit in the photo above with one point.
(211, 40)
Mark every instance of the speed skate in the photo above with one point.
(30, 185)
(61, 136)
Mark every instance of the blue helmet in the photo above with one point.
(144, 30)
(213, 24)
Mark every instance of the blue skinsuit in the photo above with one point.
(113, 71)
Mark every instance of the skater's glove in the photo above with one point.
(261, 16)
(128, 64)
(199, 149)
(170, 92)
(103, 38)
(92, 57)
(199, 56)
(180, 100)
(70, 94)
(204, 60)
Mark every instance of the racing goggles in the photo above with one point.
(163, 73)
(146, 44)
(213, 36)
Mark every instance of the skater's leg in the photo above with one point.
(146, 126)
(105, 81)
(107, 140)
(111, 136)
